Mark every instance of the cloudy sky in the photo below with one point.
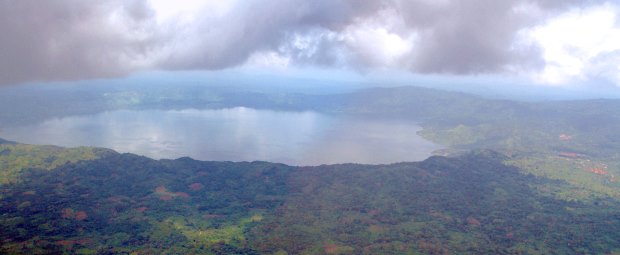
(545, 42)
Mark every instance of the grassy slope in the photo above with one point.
(15, 158)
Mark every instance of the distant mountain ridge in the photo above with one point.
(417, 102)
(2, 141)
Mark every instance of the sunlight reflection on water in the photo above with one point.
(236, 134)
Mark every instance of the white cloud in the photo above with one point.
(186, 11)
(381, 41)
(269, 59)
(378, 46)
(579, 44)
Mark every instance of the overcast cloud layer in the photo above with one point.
(549, 41)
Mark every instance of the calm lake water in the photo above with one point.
(236, 134)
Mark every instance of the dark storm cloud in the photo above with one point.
(476, 36)
(454, 36)
(71, 39)
(465, 36)
(77, 39)
(219, 42)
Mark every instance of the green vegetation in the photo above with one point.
(122, 203)
(126, 203)
(14, 158)
(572, 141)
(473, 204)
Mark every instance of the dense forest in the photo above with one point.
(99, 201)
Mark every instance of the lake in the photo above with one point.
(236, 134)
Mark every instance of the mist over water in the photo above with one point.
(236, 134)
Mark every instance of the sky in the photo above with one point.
(554, 43)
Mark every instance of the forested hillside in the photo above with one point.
(123, 203)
